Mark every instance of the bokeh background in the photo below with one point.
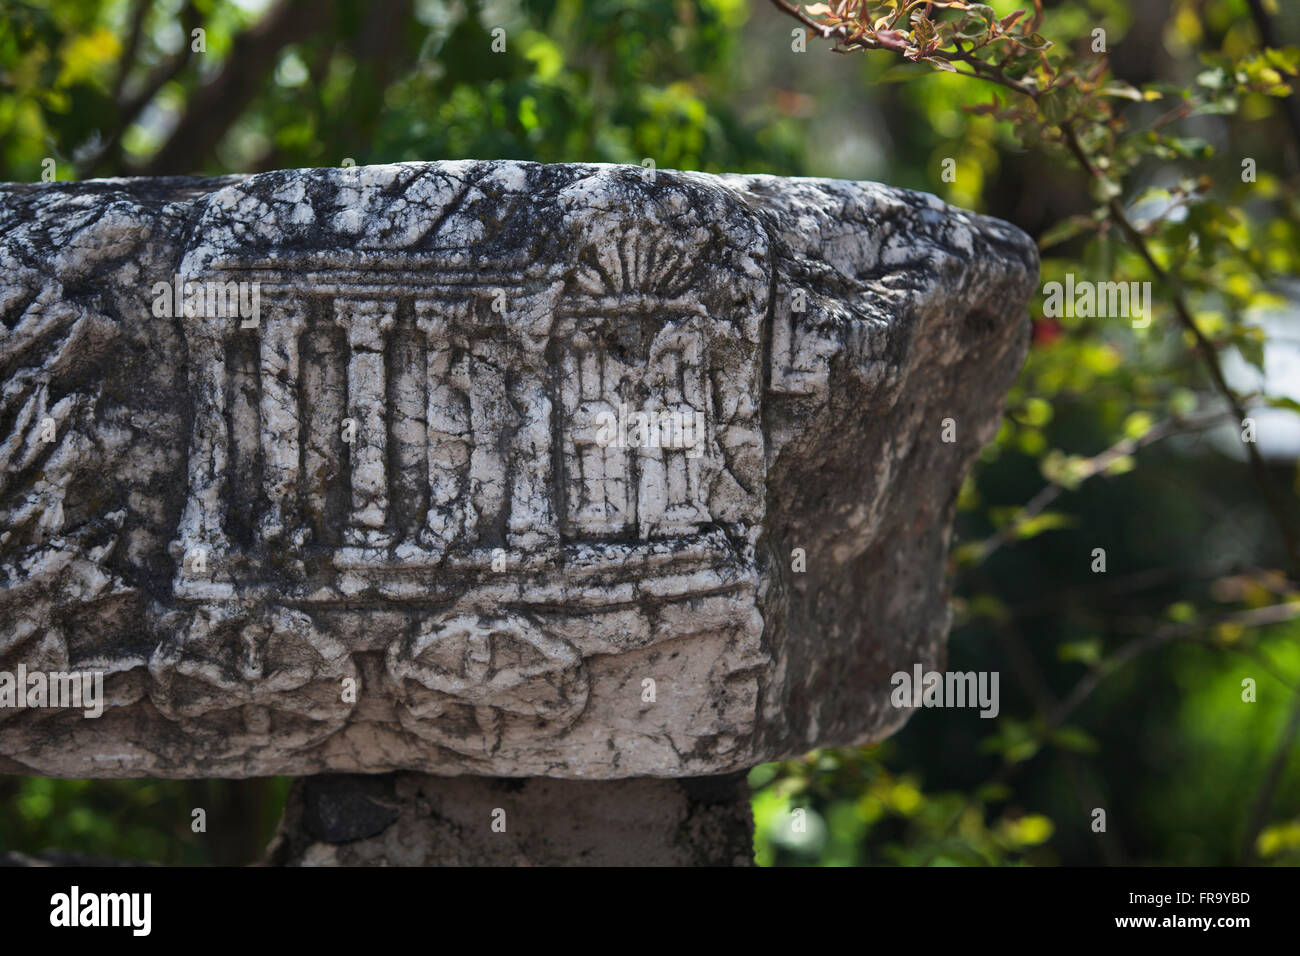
(1149, 656)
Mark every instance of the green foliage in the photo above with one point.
(848, 808)
(1158, 201)
(146, 820)
(597, 82)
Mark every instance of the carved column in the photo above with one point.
(366, 321)
(448, 427)
(202, 522)
(281, 428)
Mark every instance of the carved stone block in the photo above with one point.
(484, 467)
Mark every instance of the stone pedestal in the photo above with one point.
(485, 470)
(411, 819)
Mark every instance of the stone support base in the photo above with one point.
(412, 819)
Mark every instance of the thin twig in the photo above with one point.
(1084, 688)
(1096, 465)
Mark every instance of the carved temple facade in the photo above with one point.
(382, 425)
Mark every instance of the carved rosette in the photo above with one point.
(471, 681)
(242, 677)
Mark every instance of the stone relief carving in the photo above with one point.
(470, 681)
(399, 473)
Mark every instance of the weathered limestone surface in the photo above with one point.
(400, 478)
(411, 819)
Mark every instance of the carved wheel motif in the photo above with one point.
(248, 676)
(469, 681)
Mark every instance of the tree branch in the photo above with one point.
(1096, 465)
(106, 159)
(215, 107)
(139, 10)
